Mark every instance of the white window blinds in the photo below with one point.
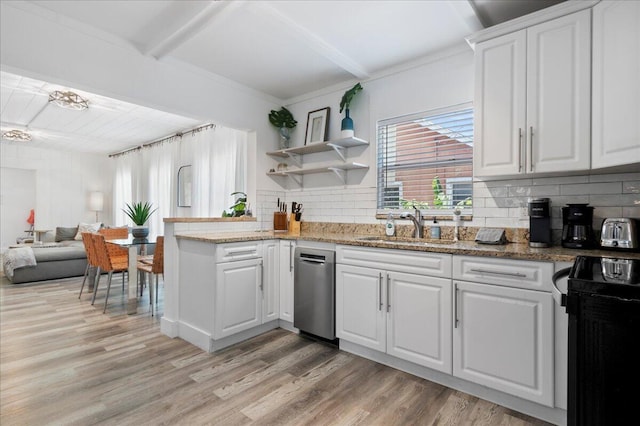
(425, 160)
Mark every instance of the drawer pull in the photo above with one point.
(509, 274)
(237, 252)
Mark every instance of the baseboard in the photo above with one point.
(216, 345)
(168, 327)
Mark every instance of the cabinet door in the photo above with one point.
(503, 339)
(559, 94)
(419, 319)
(238, 298)
(360, 301)
(616, 83)
(270, 281)
(500, 90)
(286, 280)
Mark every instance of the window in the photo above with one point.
(426, 160)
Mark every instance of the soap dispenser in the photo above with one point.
(390, 228)
(435, 229)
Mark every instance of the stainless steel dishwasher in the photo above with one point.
(314, 292)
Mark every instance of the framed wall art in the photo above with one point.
(317, 126)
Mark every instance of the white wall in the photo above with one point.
(42, 45)
(63, 181)
(17, 198)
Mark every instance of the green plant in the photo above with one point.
(348, 96)
(138, 212)
(282, 118)
(238, 208)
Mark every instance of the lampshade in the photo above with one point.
(96, 201)
(32, 218)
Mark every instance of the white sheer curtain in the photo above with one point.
(125, 185)
(219, 158)
(160, 183)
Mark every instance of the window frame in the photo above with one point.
(467, 211)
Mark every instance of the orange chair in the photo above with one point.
(117, 234)
(154, 266)
(108, 261)
(92, 262)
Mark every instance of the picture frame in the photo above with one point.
(317, 126)
(184, 186)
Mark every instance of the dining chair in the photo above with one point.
(108, 261)
(92, 262)
(155, 267)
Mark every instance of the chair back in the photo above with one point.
(158, 257)
(115, 233)
(102, 254)
(87, 241)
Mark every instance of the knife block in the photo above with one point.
(280, 221)
(294, 225)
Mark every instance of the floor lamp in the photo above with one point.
(96, 202)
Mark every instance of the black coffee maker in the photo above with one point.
(539, 222)
(577, 226)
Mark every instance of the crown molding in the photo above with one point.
(534, 18)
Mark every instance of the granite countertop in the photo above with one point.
(511, 250)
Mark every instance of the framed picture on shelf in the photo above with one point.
(317, 126)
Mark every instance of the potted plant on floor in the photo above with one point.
(139, 213)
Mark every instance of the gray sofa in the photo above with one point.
(60, 257)
(68, 260)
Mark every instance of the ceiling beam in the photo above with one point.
(212, 12)
(314, 41)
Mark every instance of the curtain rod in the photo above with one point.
(177, 135)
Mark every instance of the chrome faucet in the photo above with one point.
(416, 218)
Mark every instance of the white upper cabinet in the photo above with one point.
(616, 83)
(532, 100)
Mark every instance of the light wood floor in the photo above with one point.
(63, 362)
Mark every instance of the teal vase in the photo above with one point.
(347, 125)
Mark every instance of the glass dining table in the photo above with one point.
(135, 246)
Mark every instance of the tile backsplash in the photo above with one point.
(496, 204)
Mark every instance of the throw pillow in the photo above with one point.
(65, 234)
(87, 227)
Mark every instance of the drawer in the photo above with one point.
(432, 264)
(505, 272)
(229, 252)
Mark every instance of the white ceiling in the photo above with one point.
(284, 49)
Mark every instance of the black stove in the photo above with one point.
(603, 303)
(606, 276)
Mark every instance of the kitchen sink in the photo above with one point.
(405, 241)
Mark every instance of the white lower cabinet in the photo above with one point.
(238, 298)
(287, 248)
(406, 315)
(503, 337)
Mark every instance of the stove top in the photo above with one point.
(606, 275)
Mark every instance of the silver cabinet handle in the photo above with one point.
(290, 261)
(380, 291)
(388, 296)
(262, 278)
(245, 251)
(530, 148)
(455, 306)
(509, 274)
(519, 149)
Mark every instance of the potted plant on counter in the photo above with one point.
(139, 213)
(239, 207)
